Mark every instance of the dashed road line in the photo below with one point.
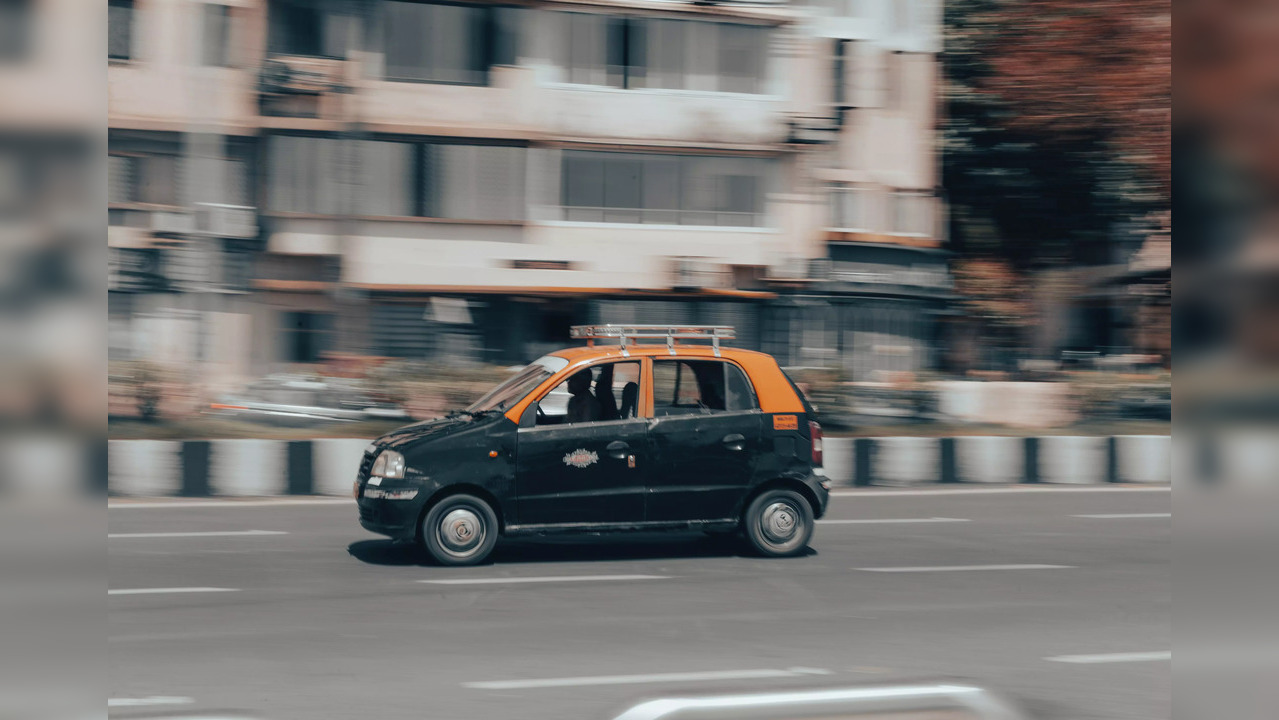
(1127, 657)
(148, 701)
(894, 521)
(1123, 516)
(643, 679)
(962, 568)
(212, 533)
(169, 590)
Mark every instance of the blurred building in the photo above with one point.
(291, 179)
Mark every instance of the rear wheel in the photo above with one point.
(460, 530)
(779, 523)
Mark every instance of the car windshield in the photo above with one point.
(519, 384)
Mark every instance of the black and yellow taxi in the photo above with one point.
(679, 433)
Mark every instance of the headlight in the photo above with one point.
(389, 464)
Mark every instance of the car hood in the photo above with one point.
(432, 428)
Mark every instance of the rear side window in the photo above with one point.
(700, 387)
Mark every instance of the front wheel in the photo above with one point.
(460, 530)
(779, 523)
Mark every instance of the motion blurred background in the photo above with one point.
(343, 211)
(325, 216)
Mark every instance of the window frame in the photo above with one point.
(528, 417)
(129, 54)
(725, 363)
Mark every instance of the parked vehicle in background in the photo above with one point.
(287, 399)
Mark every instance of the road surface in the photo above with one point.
(283, 609)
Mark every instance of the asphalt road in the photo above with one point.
(313, 617)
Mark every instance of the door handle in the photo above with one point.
(734, 441)
(618, 449)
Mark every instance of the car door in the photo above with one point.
(585, 468)
(705, 432)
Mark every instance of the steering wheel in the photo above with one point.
(540, 414)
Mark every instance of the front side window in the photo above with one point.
(596, 394)
(689, 387)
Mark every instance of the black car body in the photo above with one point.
(695, 457)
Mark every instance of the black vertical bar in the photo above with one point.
(949, 470)
(862, 450)
(1112, 459)
(195, 468)
(301, 468)
(1031, 474)
(96, 467)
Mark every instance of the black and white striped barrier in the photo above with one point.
(198, 468)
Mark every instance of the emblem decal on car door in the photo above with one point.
(581, 458)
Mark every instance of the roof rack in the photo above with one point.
(627, 334)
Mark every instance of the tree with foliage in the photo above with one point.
(1056, 136)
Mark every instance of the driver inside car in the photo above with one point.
(582, 407)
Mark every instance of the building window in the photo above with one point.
(912, 213)
(216, 45)
(473, 182)
(330, 176)
(150, 179)
(309, 175)
(607, 50)
(306, 28)
(664, 189)
(120, 29)
(307, 336)
(435, 43)
(850, 208)
(16, 30)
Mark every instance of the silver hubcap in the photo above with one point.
(460, 531)
(780, 522)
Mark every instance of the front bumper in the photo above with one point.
(396, 519)
(820, 485)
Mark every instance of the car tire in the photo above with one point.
(779, 523)
(460, 530)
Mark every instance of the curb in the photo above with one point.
(267, 468)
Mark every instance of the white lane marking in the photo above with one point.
(1124, 516)
(894, 521)
(961, 568)
(642, 679)
(147, 701)
(1112, 658)
(269, 502)
(214, 533)
(1044, 489)
(545, 579)
(162, 591)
